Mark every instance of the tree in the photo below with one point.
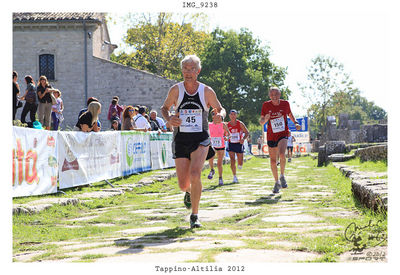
(331, 92)
(238, 68)
(158, 45)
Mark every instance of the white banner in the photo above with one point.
(34, 165)
(135, 148)
(88, 157)
(301, 137)
(161, 150)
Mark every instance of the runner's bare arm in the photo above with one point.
(298, 127)
(171, 100)
(212, 100)
(264, 119)
(245, 131)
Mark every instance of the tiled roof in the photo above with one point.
(56, 16)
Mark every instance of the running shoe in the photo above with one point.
(211, 175)
(235, 179)
(194, 221)
(278, 163)
(220, 182)
(187, 201)
(289, 160)
(283, 181)
(277, 186)
(240, 167)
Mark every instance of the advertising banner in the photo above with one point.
(161, 150)
(301, 137)
(135, 148)
(34, 166)
(88, 157)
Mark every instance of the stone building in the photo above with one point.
(73, 51)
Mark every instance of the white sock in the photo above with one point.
(240, 167)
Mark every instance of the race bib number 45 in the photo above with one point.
(191, 120)
(278, 124)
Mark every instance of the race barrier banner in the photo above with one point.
(88, 157)
(135, 149)
(34, 166)
(301, 137)
(298, 148)
(161, 150)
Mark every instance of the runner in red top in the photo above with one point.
(238, 133)
(275, 113)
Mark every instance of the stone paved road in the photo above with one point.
(243, 222)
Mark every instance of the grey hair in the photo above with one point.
(153, 111)
(191, 58)
(274, 88)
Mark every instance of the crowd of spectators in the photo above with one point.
(45, 107)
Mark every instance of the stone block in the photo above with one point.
(373, 153)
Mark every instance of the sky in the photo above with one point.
(358, 39)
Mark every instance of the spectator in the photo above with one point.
(44, 109)
(127, 119)
(87, 121)
(249, 144)
(141, 121)
(114, 125)
(16, 103)
(115, 110)
(57, 110)
(90, 100)
(30, 101)
(157, 123)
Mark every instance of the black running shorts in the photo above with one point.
(183, 150)
(235, 147)
(272, 143)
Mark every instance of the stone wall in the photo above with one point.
(105, 78)
(373, 153)
(133, 87)
(351, 131)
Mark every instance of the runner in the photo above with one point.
(238, 134)
(275, 112)
(191, 142)
(290, 141)
(218, 132)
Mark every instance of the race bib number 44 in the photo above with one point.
(191, 120)
(278, 124)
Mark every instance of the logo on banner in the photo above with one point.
(51, 141)
(70, 161)
(21, 161)
(164, 153)
(134, 148)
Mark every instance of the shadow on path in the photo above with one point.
(211, 188)
(270, 199)
(137, 244)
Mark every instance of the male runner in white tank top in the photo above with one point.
(191, 143)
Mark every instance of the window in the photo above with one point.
(46, 66)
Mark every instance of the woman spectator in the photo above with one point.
(127, 119)
(57, 110)
(87, 122)
(114, 110)
(45, 103)
(114, 125)
(30, 101)
(16, 103)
